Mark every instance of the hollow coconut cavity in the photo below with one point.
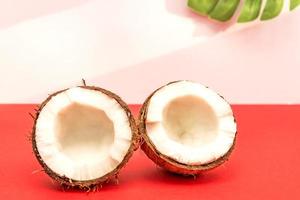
(187, 128)
(83, 136)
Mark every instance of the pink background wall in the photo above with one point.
(134, 46)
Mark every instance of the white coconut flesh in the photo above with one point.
(190, 123)
(82, 134)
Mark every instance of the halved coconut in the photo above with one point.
(187, 128)
(83, 136)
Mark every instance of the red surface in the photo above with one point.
(264, 165)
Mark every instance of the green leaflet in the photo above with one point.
(202, 6)
(294, 4)
(224, 10)
(272, 9)
(250, 10)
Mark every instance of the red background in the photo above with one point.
(264, 165)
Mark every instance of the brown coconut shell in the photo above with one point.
(166, 162)
(65, 181)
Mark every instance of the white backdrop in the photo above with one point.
(133, 46)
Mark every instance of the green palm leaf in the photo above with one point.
(224, 10)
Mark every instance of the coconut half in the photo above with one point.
(187, 128)
(83, 136)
